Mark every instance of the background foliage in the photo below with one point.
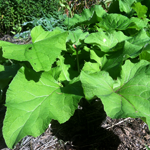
(19, 15)
(15, 12)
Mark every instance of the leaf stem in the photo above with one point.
(77, 56)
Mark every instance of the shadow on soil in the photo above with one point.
(84, 129)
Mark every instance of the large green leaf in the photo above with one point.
(42, 53)
(13, 51)
(111, 60)
(114, 21)
(34, 99)
(120, 22)
(140, 9)
(39, 34)
(99, 83)
(3, 43)
(121, 52)
(106, 40)
(129, 96)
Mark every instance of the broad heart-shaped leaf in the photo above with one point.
(121, 52)
(120, 22)
(118, 44)
(42, 53)
(31, 105)
(106, 40)
(88, 16)
(140, 9)
(129, 96)
(130, 48)
(114, 21)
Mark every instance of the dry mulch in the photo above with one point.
(133, 135)
(10, 38)
(111, 134)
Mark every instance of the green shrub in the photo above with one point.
(15, 12)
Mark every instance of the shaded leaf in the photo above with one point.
(7, 73)
(145, 55)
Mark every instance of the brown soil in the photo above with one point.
(133, 135)
(10, 38)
